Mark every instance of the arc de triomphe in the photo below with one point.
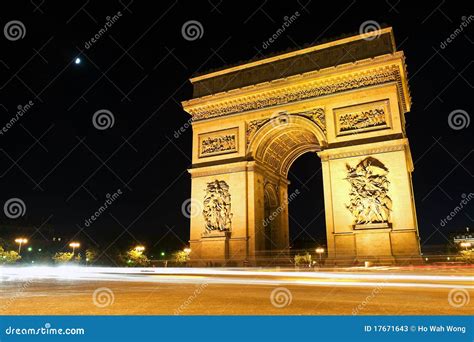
(345, 102)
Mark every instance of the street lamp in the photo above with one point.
(74, 245)
(465, 245)
(320, 251)
(187, 250)
(139, 248)
(20, 241)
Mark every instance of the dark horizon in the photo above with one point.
(62, 167)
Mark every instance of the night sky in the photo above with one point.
(62, 167)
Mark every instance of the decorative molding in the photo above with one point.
(218, 142)
(362, 117)
(220, 169)
(327, 155)
(300, 92)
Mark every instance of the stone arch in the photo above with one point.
(252, 121)
(282, 139)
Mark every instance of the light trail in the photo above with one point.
(226, 276)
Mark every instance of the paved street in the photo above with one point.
(42, 291)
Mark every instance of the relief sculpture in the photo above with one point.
(217, 207)
(369, 201)
(362, 119)
(217, 144)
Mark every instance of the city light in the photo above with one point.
(320, 251)
(74, 245)
(77, 60)
(20, 241)
(139, 248)
(465, 245)
(187, 250)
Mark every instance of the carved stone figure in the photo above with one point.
(217, 207)
(317, 116)
(369, 201)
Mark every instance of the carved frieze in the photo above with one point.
(369, 200)
(297, 93)
(217, 207)
(220, 142)
(362, 118)
(316, 115)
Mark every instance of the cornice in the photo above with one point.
(362, 150)
(227, 105)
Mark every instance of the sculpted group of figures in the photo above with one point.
(369, 202)
(217, 209)
(218, 144)
(363, 119)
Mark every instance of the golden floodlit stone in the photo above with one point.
(344, 101)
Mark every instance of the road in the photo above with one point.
(117, 291)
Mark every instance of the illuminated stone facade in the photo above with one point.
(252, 121)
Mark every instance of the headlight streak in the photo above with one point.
(226, 276)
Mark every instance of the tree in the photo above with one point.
(91, 255)
(8, 257)
(62, 258)
(134, 258)
(303, 260)
(466, 256)
(181, 257)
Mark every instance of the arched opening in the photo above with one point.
(307, 226)
(282, 141)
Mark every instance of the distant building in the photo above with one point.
(464, 238)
